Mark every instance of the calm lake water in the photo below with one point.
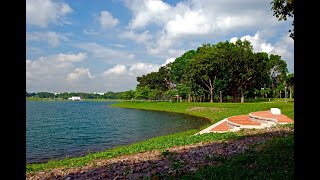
(59, 129)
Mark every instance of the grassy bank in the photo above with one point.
(212, 111)
(272, 160)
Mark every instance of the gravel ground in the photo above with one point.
(173, 162)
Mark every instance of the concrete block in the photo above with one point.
(275, 111)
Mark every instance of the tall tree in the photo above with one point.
(205, 67)
(278, 70)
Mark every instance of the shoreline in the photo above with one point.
(141, 146)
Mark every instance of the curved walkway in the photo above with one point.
(255, 120)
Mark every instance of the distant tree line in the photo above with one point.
(232, 70)
(66, 95)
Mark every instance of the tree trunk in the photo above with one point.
(189, 98)
(290, 90)
(242, 96)
(211, 95)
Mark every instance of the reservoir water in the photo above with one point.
(60, 129)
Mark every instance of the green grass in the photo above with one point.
(275, 160)
(212, 111)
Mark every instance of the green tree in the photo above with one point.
(142, 92)
(242, 67)
(290, 84)
(205, 68)
(278, 71)
(170, 94)
(128, 95)
(45, 95)
(179, 68)
(283, 9)
(183, 90)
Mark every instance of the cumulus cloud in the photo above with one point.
(139, 69)
(147, 11)
(191, 22)
(80, 74)
(50, 71)
(117, 70)
(106, 20)
(133, 70)
(43, 12)
(52, 38)
(187, 20)
(170, 60)
(284, 47)
(258, 44)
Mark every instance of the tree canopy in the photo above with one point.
(283, 9)
(232, 68)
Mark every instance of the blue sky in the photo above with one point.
(103, 45)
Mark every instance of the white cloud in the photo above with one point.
(283, 47)
(144, 37)
(117, 70)
(47, 72)
(52, 38)
(108, 54)
(170, 60)
(71, 57)
(43, 12)
(137, 69)
(191, 22)
(188, 20)
(106, 20)
(234, 39)
(80, 74)
(123, 77)
(258, 44)
(147, 11)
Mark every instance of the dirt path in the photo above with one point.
(173, 162)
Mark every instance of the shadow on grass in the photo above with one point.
(268, 155)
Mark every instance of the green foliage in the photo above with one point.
(232, 68)
(142, 92)
(45, 95)
(183, 90)
(128, 95)
(30, 94)
(283, 9)
(179, 68)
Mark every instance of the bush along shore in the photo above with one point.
(259, 154)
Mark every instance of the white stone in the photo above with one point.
(275, 111)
